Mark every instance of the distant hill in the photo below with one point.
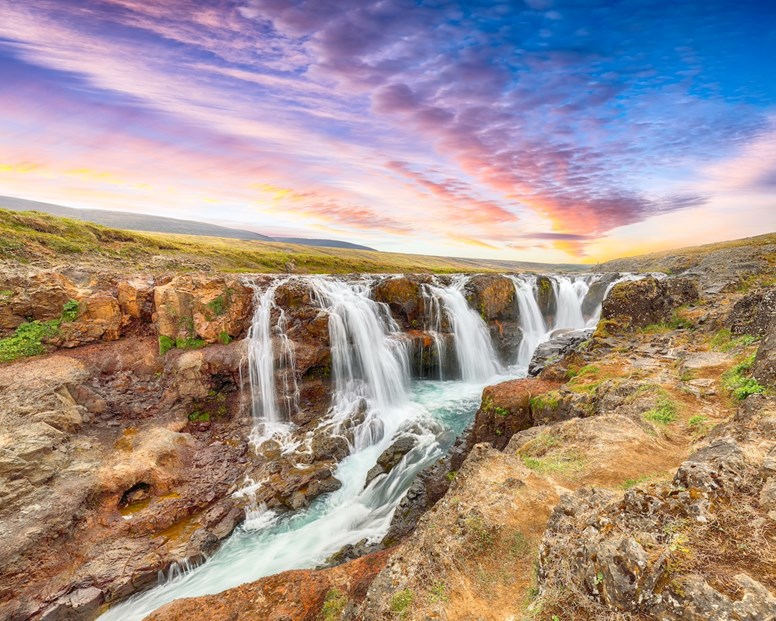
(328, 243)
(159, 224)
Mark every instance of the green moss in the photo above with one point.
(723, 341)
(165, 344)
(219, 305)
(198, 416)
(333, 605)
(189, 343)
(224, 338)
(547, 401)
(401, 602)
(27, 340)
(588, 369)
(697, 421)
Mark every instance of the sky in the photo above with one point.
(545, 130)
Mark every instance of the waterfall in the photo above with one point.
(270, 410)
(568, 296)
(532, 323)
(433, 327)
(474, 351)
(370, 360)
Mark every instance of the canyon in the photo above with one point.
(388, 446)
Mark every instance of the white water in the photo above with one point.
(532, 323)
(270, 413)
(477, 360)
(370, 365)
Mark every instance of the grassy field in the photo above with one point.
(680, 259)
(40, 239)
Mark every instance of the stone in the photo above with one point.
(639, 303)
(559, 345)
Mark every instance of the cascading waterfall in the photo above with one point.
(532, 323)
(433, 327)
(474, 351)
(376, 401)
(270, 412)
(569, 295)
(370, 362)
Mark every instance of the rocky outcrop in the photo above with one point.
(764, 369)
(666, 551)
(214, 309)
(404, 296)
(595, 294)
(560, 344)
(303, 595)
(753, 314)
(505, 410)
(639, 303)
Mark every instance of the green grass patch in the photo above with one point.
(198, 416)
(401, 602)
(739, 382)
(218, 305)
(165, 344)
(28, 339)
(547, 401)
(588, 369)
(224, 338)
(723, 341)
(189, 343)
(333, 605)
(557, 463)
(664, 413)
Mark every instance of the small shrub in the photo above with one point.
(189, 343)
(224, 338)
(218, 305)
(438, 592)
(697, 421)
(199, 417)
(738, 380)
(70, 310)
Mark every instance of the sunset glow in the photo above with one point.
(538, 130)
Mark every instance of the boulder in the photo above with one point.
(39, 296)
(505, 410)
(764, 369)
(203, 307)
(639, 303)
(492, 296)
(391, 457)
(545, 298)
(404, 297)
(595, 294)
(562, 343)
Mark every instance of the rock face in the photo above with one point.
(665, 551)
(764, 369)
(595, 295)
(753, 314)
(404, 296)
(209, 308)
(639, 303)
(303, 595)
(561, 344)
(505, 410)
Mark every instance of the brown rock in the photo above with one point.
(492, 296)
(404, 296)
(639, 303)
(506, 409)
(291, 596)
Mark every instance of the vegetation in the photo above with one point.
(739, 382)
(166, 343)
(663, 413)
(198, 416)
(557, 463)
(401, 602)
(28, 339)
(32, 236)
(333, 605)
(677, 322)
(723, 341)
(547, 401)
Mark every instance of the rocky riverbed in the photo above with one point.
(634, 471)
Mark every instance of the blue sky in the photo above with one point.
(543, 130)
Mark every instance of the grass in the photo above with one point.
(677, 322)
(547, 401)
(401, 602)
(739, 382)
(588, 369)
(39, 238)
(723, 341)
(562, 463)
(29, 338)
(664, 413)
(166, 343)
(199, 417)
(333, 605)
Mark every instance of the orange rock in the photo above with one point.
(292, 596)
